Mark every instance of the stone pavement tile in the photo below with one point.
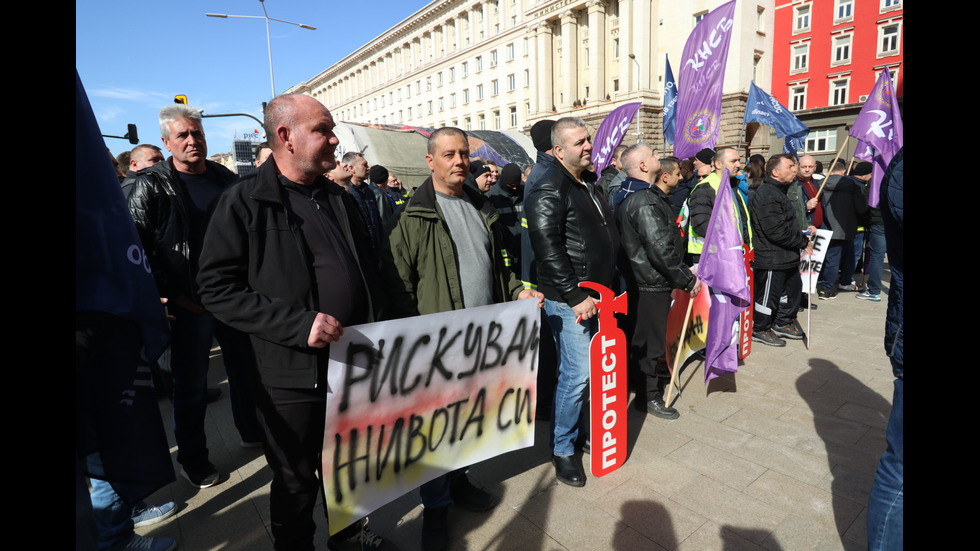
(779, 376)
(652, 514)
(851, 455)
(717, 464)
(563, 514)
(719, 435)
(750, 517)
(519, 487)
(803, 466)
(781, 432)
(714, 409)
(863, 414)
(814, 504)
(655, 440)
(854, 485)
(663, 475)
(856, 537)
(502, 528)
(827, 425)
(714, 536)
(761, 403)
(629, 538)
(795, 533)
(806, 394)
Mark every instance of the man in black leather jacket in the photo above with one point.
(171, 203)
(653, 249)
(574, 238)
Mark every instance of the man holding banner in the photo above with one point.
(653, 247)
(286, 259)
(443, 254)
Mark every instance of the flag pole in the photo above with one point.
(741, 133)
(677, 357)
(809, 298)
(839, 151)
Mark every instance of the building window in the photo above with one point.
(466, 69)
(802, 21)
(797, 98)
(527, 46)
(699, 16)
(466, 96)
(479, 91)
(821, 140)
(842, 50)
(760, 19)
(890, 4)
(893, 74)
(586, 57)
(496, 120)
(615, 85)
(800, 54)
(430, 106)
(511, 83)
(843, 11)
(838, 92)
(452, 100)
(494, 87)
(527, 108)
(510, 52)
(615, 48)
(479, 63)
(468, 123)
(493, 58)
(527, 77)
(482, 120)
(888, 39)
(439, 78)
(409, 113)
(513, 117)
(452, 74)
(442, 104)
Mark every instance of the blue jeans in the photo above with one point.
(572, 341)
(876, 259)
(885, 513)
(832, 264)
(113, 516)
(191, 338)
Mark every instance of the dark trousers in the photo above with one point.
(191, 338)
(777, 297)
(649, 343)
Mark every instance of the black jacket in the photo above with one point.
(573, 235)
(256, 277)
(777, 235)
(844, 206)
(510, 206)
(652, 243)
(157, 203)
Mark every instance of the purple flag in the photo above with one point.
(878, 128)
(722, 268)
(701, 77)
(610, 134)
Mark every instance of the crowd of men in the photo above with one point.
(277, 264)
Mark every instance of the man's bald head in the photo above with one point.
(640, 162)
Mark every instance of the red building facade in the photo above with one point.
(827, 56)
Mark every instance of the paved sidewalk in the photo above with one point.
(780, 456)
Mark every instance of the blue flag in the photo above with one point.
(670, 104)
(763, 108)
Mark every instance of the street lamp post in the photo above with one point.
(638, 113)
(268, 37)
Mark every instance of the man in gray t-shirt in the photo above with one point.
(444, 253)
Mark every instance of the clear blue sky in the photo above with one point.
(134, 56)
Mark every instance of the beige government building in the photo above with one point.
(505, 64)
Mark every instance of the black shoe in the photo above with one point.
(362, 540)
(827, 294)
(201, 476)
(658, 408)
(435, 529)
(469, 497)
(790, 331)
(768, 338)
(213, 395)
(569, 471)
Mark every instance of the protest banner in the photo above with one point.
(810, 265)
(607, 391)
(696, 333)
(745, 319)
(415, 398)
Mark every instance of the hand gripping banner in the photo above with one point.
(607, 388)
